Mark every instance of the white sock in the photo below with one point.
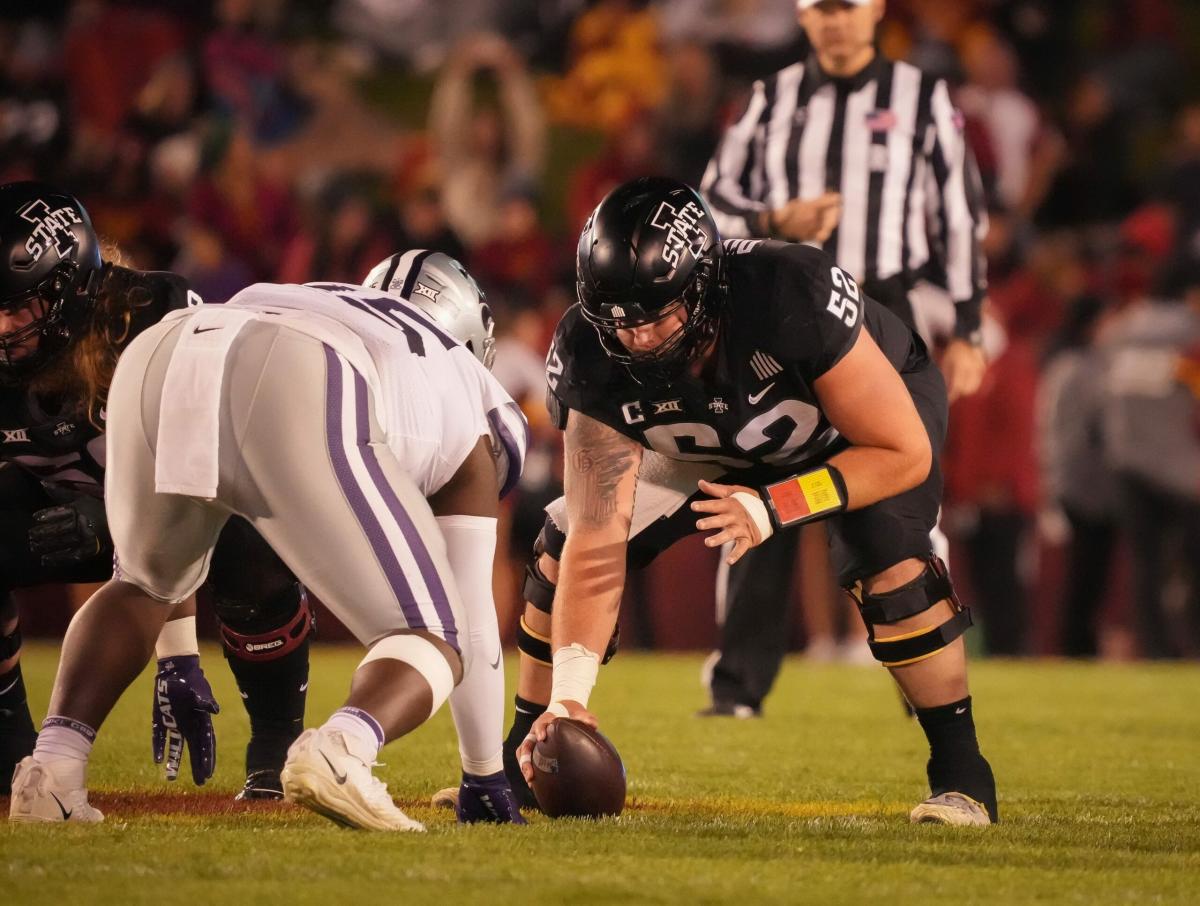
(66, 744)
(364, 735)
(478, 702)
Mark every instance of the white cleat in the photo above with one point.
(322, 774)
(954, 809)
(447, 798)
(39, 796)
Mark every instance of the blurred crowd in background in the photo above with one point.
(234, 141)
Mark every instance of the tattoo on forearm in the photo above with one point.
(601, 458)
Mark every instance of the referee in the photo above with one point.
(864, 157)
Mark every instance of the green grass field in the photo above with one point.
(1099, 772)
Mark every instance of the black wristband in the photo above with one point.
(807, 497)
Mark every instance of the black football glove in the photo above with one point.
(70, 533)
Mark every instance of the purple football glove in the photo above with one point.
(183, 709)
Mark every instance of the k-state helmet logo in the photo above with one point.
(50, 228)
(683, 230)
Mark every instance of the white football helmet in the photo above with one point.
(441, 287)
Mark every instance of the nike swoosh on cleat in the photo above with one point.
(66, 815)
(340, 778)
(755, 397)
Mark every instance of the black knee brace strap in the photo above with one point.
(10, 644)
(538, 590)
(533, 645)
(927, 589)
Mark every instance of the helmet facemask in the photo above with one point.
(52, 326)
(701, 300)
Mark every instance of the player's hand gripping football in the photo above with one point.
(183, 710)
(537, 733)
(727, 515)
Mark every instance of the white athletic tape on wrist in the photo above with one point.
(423, 656)
(758, 513)
(177, 639)
(575, 672)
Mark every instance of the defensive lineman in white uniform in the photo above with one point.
(366, 445)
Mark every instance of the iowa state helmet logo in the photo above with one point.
(50, 229)
(684, 233)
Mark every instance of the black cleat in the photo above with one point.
(260, 785)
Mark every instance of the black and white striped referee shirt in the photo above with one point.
(891, 142)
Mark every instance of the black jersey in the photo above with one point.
(791, 315)
(51, 439)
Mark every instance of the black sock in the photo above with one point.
(525, 713)
(14, 707)
(17, 733)
(274, 694)
(955, 762)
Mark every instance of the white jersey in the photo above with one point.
(433, 398)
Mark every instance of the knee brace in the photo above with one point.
(268, 629)
(539, 592)
(927, 589)
(532, 645)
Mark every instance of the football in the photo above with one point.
(577, 772)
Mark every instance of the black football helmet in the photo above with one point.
(48, 252)
(649, 247)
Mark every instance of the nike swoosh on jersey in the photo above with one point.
(755, 397)
(205, 329)
(496, 663)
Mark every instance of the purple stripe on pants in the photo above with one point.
(429, 572)
(380, 545)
